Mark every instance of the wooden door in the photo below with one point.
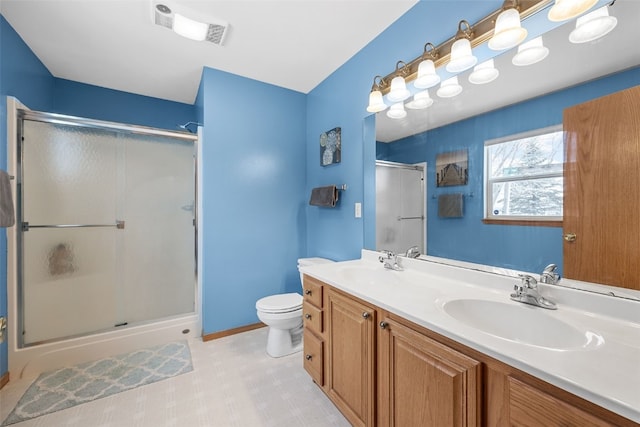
(602, 190)
(425, 383)
(351, 347)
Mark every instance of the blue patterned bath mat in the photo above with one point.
(67, 387)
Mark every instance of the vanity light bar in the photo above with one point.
(482, 32)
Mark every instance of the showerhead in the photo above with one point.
(186, 126)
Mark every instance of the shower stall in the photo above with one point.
(105, 236)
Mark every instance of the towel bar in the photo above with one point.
(26, 226)
(465, 195)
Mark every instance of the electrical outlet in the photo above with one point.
(3, 328)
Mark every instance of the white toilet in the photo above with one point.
(283, 315)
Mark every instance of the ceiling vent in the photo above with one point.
(189, 23)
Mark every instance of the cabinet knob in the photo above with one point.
(308, 357)
(307, 292)
(383, 325)
(366, 315)
(307, 316)
(570, 237)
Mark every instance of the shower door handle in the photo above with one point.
(118, 224)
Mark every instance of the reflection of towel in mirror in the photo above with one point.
(7, 215)
(324, 196)
(450, 205)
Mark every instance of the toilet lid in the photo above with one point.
(280, 303)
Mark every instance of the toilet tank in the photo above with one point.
(303, 262)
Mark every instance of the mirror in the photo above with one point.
(521, 99)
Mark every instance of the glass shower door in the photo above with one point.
(400, 212)
(108, 229)
(69, 274)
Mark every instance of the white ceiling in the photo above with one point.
(294, 44)
(567, 65)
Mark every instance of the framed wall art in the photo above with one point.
(452, 168)
(330, 147)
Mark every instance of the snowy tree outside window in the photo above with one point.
(523, 176)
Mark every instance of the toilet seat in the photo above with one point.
(282, 303)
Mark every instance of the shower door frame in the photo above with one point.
(23, 114)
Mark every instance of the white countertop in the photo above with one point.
(605, 370)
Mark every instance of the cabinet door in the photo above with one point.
(425, 383)
(530, 407)
(350, 379)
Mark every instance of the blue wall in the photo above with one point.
(253, 195)
(340, 100)
(83, 100)
(520, 247)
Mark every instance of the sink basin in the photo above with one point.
(520, 323)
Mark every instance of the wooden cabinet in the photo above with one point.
(314, 334)
(423, 382)
(382, 370)
(529, 406)
(350, 354)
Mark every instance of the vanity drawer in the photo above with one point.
(313, 291)
(314, 357)
(312, 317)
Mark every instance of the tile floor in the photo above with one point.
(233, 383)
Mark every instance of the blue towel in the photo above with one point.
(7, 216)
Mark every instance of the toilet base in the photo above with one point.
(283, 342)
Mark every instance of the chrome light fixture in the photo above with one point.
(530, 52)
(567, 9)
(449, 88)
(593, 25)
(397, 111)
(484, 73)
(399, 91)
(508, 31)
(420, 101)
(461, 56)
(376, 104)
(427, 76)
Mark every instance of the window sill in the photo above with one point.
(529, 222)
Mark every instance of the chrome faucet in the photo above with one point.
(390, 260)
(549, 275)
(412, 252)
(527, 292)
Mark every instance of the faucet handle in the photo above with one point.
(385, 255)
(549, 275)
(412, 252)
(528, 281)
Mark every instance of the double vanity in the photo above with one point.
(434, 343)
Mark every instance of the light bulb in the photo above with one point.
(593, 25)
(530, 52)
(508, 31)
(420, 101)
(397, 111)
(449, 88)
(427, 76)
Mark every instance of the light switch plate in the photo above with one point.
(358, 210)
